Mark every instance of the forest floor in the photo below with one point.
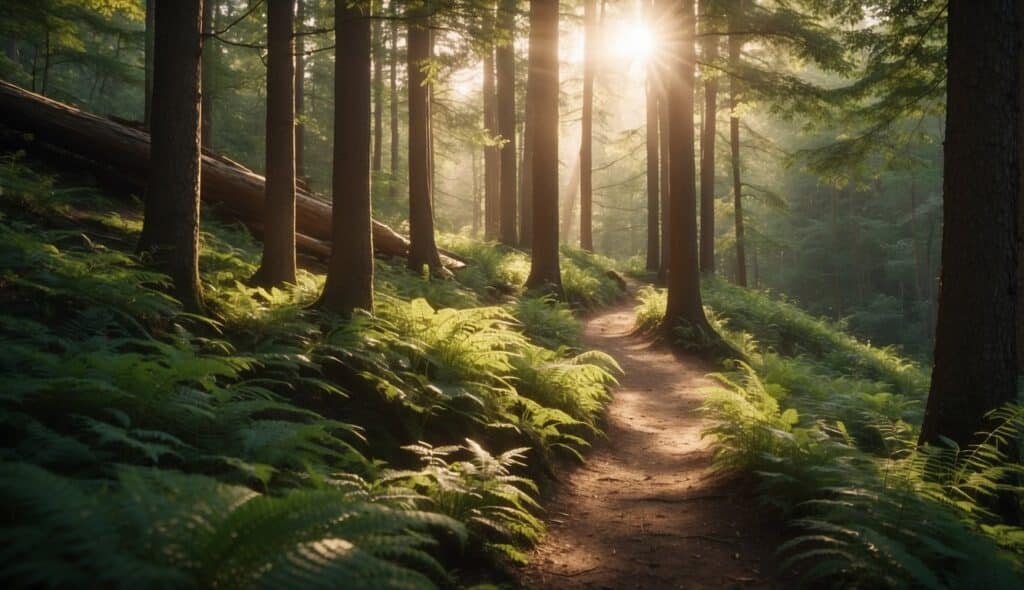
(647, 510)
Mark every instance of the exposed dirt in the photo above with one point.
(647, 511)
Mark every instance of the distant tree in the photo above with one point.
(735, 47)
(170, 228)
(422, 246)
(300, 89)
(666, 205)
(526, 175)
(278, 264)
(393, 161)
(505, 73)
(653, 210)
(349, 283)
(492, 155)
(684, 308)
(208, 54)
(378, 88)
(587, 126)
(709, 133)
(545, 272)
(975, 368)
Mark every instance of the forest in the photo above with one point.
(511, 294)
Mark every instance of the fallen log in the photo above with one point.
(237, 190)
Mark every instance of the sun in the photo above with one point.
(634, 41)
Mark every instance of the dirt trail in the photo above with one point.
(647, 511)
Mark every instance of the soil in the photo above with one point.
(647, 510)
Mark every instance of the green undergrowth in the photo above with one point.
(830, 426)
(268, 445)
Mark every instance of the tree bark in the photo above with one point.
(120, 155)
(975, 368)
(422, 247)
(735, 46)
(684, 308)
(653, 214)
(492, 156)
(378, 91)
(587, 127)
(300, 94)
(349, 284)
(170, 229)
(505, 71)
(545, 272)
(278, 265)
(709, 131)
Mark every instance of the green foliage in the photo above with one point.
(829, 424)
(155, 448)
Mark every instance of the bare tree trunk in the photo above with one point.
(477, 197)
(349, 283)
(394, 104)
(666, 205)
(587, 127)
(300, 95)
(378, 91)
(975, 368)
(492, 156)
(709, 132)
(505, 64)
(653, 236)
(278, 266)
(170, 228)
(526, 177)
(422, 247)
(208, 48)
(572, 192)
(735, 46)
(684, 307)
(545, 270)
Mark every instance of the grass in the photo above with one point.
(830, 426)
(273, 445)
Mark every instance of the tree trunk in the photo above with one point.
(735, 46)
(120, 156)
(666, 205)
(587, 127)
(709, 131)
(147, 116)
(492, 156)
(684, 308)
(393, 185)
(349, 284)
(422, 247)
(278, 265)
(378, 91)
(545, 272)
(975, 368)
(505, 71)
(300, 95)
(572, 192)
(477, 197)
(170, 229)
(208, 48)
(653, 236)
(526, 176)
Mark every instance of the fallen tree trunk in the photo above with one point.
(236, 189)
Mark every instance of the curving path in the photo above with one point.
(646, 510)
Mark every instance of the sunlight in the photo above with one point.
(634, 41)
